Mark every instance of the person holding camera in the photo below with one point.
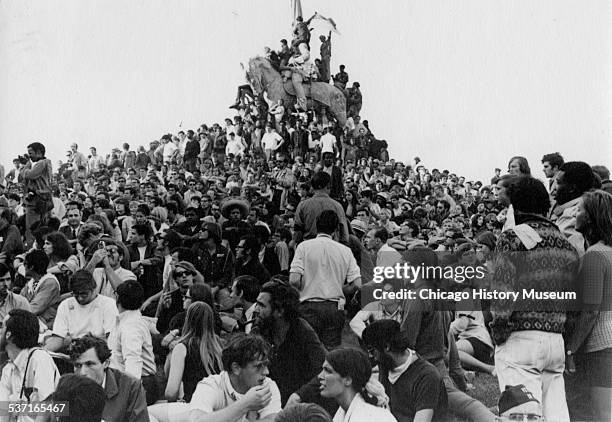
(36, 174)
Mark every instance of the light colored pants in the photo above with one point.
(535, 359)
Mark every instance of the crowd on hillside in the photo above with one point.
(233, 278)
(228, 273)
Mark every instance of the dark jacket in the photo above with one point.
(192, 150)
(151, 277)
(297, 360)
(255, 269)
(125, 398)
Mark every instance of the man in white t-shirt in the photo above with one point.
(111, 274)
(242, 392)
(87, 312)
(271, 141)
(328, 142)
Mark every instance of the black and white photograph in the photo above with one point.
(305, 211)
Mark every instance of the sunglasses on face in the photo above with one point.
(179, 274)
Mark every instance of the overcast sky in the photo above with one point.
(465, 85)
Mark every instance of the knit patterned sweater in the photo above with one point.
(551, 266)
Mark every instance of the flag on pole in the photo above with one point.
(296, 6)
(329, 22)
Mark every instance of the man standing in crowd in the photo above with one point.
(95, 161)
(325, 51)
(125, 396)
(529, 335)
(551, 164)
(320, 270)
(573, 179)
(308, 211)
(77, 158)
(37, 179)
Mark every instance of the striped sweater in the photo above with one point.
(551, 266)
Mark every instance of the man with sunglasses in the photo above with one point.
(86, 312)
(172, 300)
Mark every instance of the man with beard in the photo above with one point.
(30, 375)
(247, 259)
(298, 352)
(414, 386)
(243, 390)
(37, 179)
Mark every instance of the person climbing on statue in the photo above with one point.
(302, 69)
(301, 32)
(245, 93)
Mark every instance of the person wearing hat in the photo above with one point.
(236, 211)
(359, 228)
(517, 403)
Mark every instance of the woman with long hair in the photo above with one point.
(61, 259)
(350, 204)
(518, 166)
(344, 377)
(196, 356)
(592, 333)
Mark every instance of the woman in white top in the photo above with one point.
(344, 377)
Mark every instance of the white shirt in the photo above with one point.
(104, 286)
(324, 265)
(216, 392)
(271, 140)
(234, 146)
(328, 142)
(169, 150)
(131, 345)
(361, 411)
(42, 375)
(97, 317)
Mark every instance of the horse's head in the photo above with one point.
(260, 74)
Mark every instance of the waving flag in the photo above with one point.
(329, 22)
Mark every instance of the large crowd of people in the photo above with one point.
(226, 273)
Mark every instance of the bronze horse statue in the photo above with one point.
(263, 77)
